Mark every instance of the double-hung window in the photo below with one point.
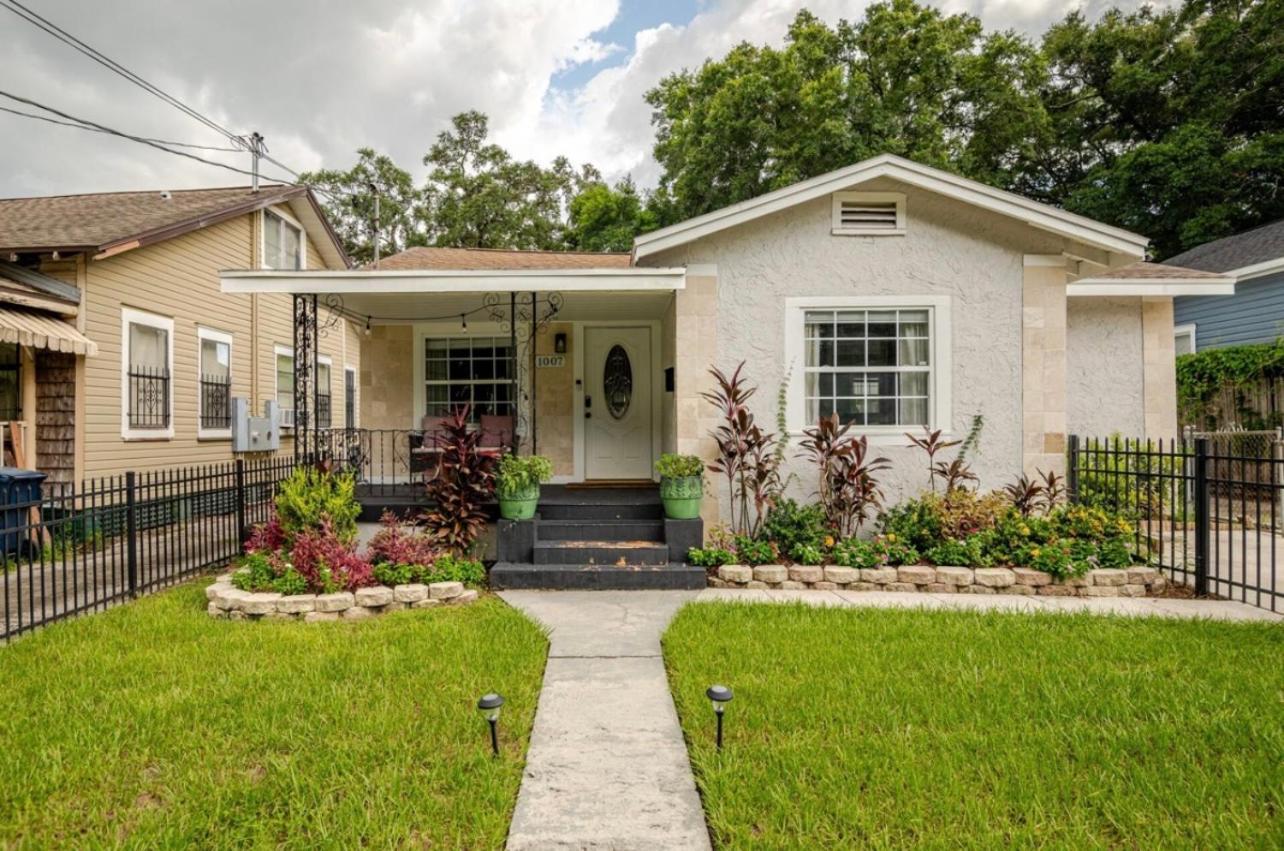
(147, 364)
(472, 371)
(283, 243)
(877, 363)
(285, 385)
(215, 381)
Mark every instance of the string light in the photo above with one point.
(463, 319)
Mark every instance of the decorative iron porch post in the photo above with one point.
(305, 357)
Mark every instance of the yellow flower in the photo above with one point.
(829, 541)
(1034, 552)
(1025, 530)
(891, 537)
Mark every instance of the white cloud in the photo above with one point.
(384, 73)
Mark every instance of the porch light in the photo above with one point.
(463, 320)
(719, 696)
(368, 326)
(489, 707)
(559, 343)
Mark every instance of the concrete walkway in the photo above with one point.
(607, 766)
(1139, 606)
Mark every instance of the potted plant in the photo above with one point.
(681, 485)
(517, 484)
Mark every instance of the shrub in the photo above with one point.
(854, 552)
(327, 563)
(969, 552)
(311, 497)
(791, 526)
(397, 542)
(1053, 557)
(521, 474)
(463, 485)
(266, 537)
(807, 554)
(915, 522)
(446, 568)
(709, 557)
(267, 572)
(752, 551)
(673, 466)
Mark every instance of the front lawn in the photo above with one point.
(153, 725)
(963, 729)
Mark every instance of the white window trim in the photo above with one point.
(875, 197)
(328, 363)
(940, 413)
(436, 330)
(203, 333)
(303, 237)
(279, 350)
(128, 316)
(356, 396)
(1188, 328)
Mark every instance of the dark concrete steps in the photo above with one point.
(597, 577)
(600, 511)
(606, 552)
(601, 530)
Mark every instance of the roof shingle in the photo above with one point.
(1157, 272)
(501, 259)
(1235, 252)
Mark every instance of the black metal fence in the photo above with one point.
(1207, 511)
(81, 549)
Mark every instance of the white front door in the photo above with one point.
(617, 402)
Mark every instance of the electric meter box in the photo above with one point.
(255, 434)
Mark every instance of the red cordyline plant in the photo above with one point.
(746, 454)
(847, 488)
(399, 542)
(327, 563)
(931, 443)
(464, 483)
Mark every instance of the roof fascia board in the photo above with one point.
(1258, 270)
(1033, 213)
(1152, 287)
(368, 282)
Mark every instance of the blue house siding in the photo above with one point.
(1255, 314)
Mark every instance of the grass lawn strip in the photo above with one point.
(967, 729)
(153, 725)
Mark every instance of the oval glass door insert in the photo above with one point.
(617, 381)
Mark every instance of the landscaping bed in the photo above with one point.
(152, 725)
(895, 728)
(228, 601)
(1103, 582)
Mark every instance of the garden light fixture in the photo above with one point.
(489, 707)
(719, 696)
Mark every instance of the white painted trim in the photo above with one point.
(1049, 261)
(1257, 270)
(1187, 328)
(838, 229)
(290, 220)
(128, 316)
(1151, 287)
(1033, 213)
(444, 328)
(279, 350)
(939, 309)
(579, 444)
(367, 282)
(203, 333)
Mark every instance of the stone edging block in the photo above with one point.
(227, 602)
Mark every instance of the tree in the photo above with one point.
(905, 79)
(349, 203)
(603, 218)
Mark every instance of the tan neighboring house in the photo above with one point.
(897, 295)
(118, 351)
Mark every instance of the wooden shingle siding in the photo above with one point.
(1255, 314)
(178, 279)
(56, 415)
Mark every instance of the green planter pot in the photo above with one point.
(519, 505)
(682, 497)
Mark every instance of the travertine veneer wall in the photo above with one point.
(387, 377)
(1043, 364)
(1159, 359)
(554, 400)
(696, 327)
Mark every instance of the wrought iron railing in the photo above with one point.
(216, 401)
(149, 393)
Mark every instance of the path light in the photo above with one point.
(489, 707)
(720, 697)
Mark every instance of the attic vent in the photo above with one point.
(869, 213)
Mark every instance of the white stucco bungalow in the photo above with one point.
(899, 295)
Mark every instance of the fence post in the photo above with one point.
(1072, 468)
(241, 530)
(131, 531)
(1201, 516)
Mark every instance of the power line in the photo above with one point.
(67, 38)
(96, 130)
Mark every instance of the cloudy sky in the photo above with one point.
(320, 79)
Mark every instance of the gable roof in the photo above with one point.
(906, 171)
(1153, 279)
(499, 259)
(1251, 250)
(109, 222)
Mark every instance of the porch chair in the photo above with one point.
(497, 434)
(425, 447)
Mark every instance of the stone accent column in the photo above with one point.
(1159, 373)
(695, 350)
(1043, 364)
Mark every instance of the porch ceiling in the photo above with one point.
(405, 308)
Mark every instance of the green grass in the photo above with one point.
(883, 728)
(153, 725)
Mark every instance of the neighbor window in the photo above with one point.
(323, 394)
(1184, 339)
(10, 382)
(215, 382)
(474, 371)
(285, 385)
(147, 360)
(282, 242)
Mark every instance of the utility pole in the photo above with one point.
(374, 187)
(257, 149)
